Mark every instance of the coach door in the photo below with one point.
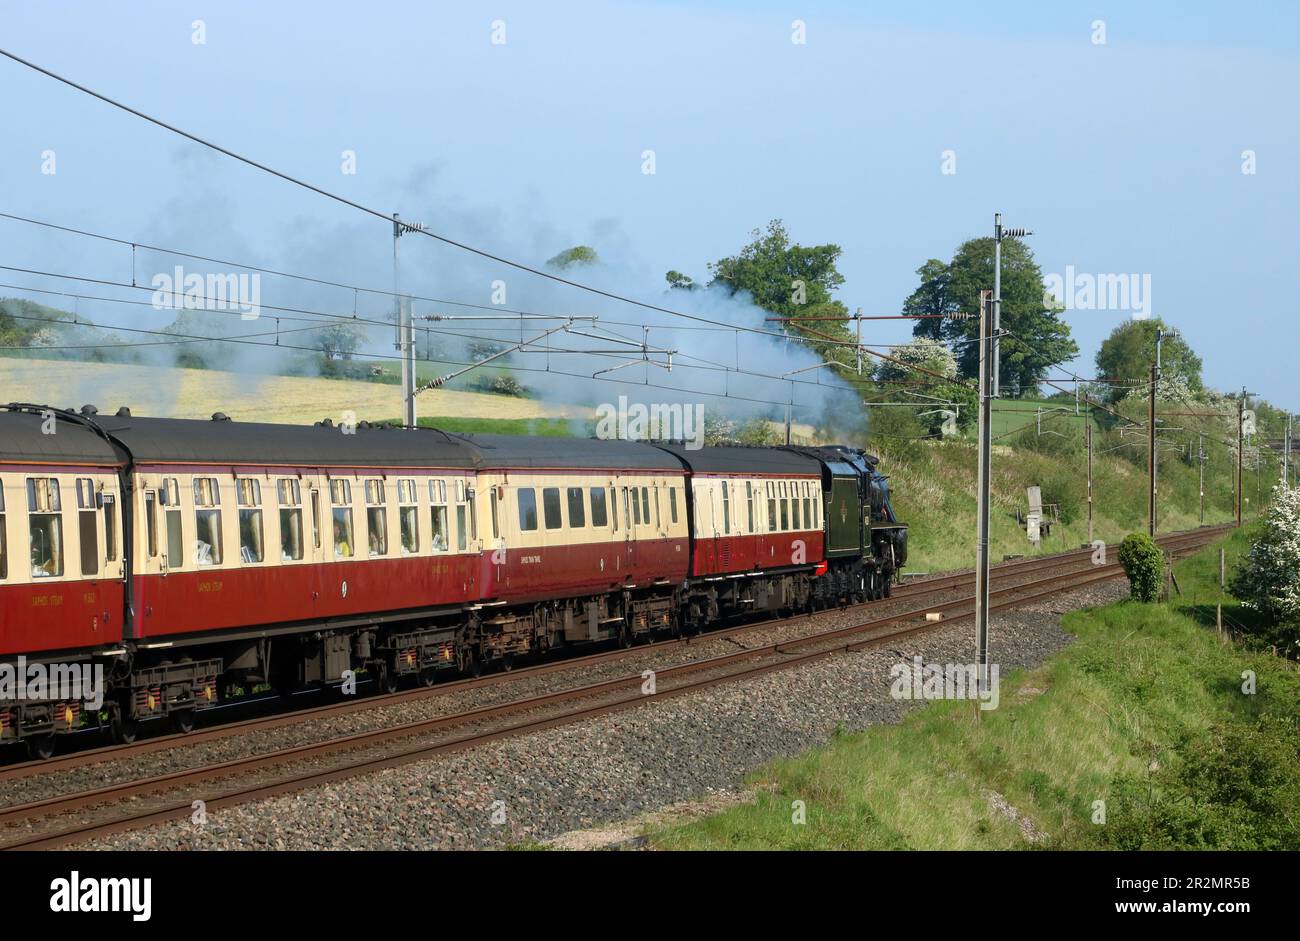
(98, 559)
(631, 516)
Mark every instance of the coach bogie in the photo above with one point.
(171, 687)
(423, 652)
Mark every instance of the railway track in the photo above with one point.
(1001, 573)
(145, 801)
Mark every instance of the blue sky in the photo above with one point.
(1123, 157)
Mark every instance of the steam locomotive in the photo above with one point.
(188, 562)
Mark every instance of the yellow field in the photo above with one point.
(197, 393)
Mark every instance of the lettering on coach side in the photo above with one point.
(530, 559)
(46, 601)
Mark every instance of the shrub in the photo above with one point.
(1062, 488)
(497, 384)
(1058, 439)
(1143, 564)
(1235, 788)
(896, 431)
(1269, 581)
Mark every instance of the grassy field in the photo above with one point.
(1145, 712)
(537, 427)
(1009, 415)
(197, 393)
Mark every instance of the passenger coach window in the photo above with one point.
(726, 508)
(613, 507)
(46, 522)
(599, 511)
(341, 498)
(207, 520)
(672, 505)
(438, 497)
(527, 509)
(170, 496)
(87, 530)
(749, 502)
(645, 504)
(795, 512)
(249, 494)
(151, 523)
(376, 517)
(408, 515)
(110, 527)
(289, 495)
(464, 514)
(551, 507)
(771, 508)
(577, 510)
(315, 518)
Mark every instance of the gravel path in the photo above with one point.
(609, 769)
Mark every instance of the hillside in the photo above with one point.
(934, 492)
(197, 393)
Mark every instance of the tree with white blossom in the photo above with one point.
(1269, 581)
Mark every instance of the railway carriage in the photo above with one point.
(61, 551)
(757, 531)
(197, 560)
(247, 534)
(588, 543)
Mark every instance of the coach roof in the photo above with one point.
(744, 459)
(550, 452)
(23, 439)
(181, 440)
